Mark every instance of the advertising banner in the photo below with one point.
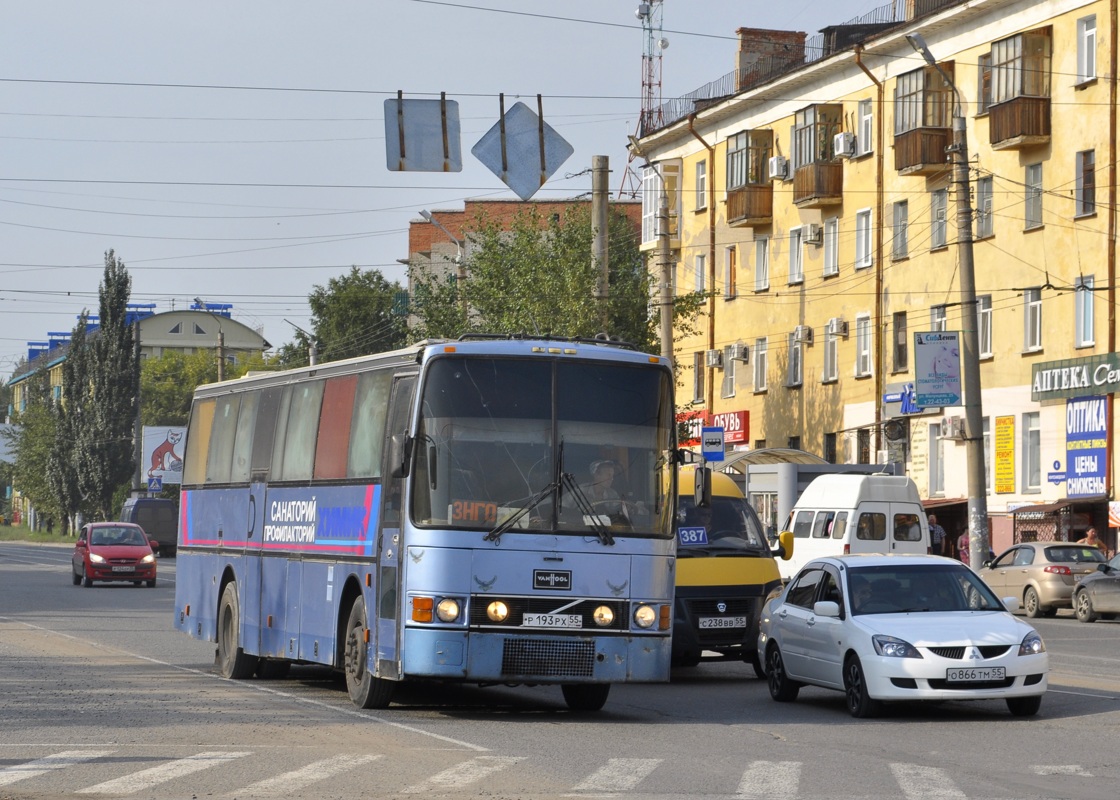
(163, 454)
(1086, 446)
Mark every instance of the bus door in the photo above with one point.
(267, 572)
(390, 539)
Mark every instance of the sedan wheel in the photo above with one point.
(860, 703)
(1024, 706)
(74, 574)
(1030, 603)
(782, 688)
(1083, 607)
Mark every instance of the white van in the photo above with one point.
(856, 514)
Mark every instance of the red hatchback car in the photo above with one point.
(113, 551)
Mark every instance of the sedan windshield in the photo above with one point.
(918, 587)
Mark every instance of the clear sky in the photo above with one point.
(234, 151)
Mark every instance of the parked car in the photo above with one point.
(1098, 593)
(1041, 574)
(159, 517)
(882, 628)
(113, 551)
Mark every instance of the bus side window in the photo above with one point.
(823, 524)
(367, 429)
(222, 437)
(269, 405)
(839, 525)
(399, 407)
(803, 524)
(243, 443)
(198, 442)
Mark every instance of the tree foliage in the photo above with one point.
(31, 440)
(167, 383)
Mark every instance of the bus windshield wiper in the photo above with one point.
(512, 519)
(588, 511)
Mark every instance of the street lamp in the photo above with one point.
(970, 341)
(221, 339)
(461, 277)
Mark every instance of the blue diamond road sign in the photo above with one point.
(522, 169)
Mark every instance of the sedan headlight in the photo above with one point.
(94, 558)
(148, 559)
(1031, 645)
(893, 647)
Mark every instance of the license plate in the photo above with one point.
(975, 674)
(123, 569)
(552, 621)
(707, 623)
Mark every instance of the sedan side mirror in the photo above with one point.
(826, 608)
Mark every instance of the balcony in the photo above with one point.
(921, 151)
(818, 185)
(1019, 122)
(752, 204)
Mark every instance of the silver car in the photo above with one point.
(1041, 574)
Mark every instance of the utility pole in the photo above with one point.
(665, 264)
(600, 197)
(978, 543)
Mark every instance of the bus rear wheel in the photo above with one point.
(364, 689)
(232, 661)
(585, 696)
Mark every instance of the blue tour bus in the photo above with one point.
(434, 513)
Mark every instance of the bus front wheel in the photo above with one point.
(232, 661)
(585, 696)
(364, 689)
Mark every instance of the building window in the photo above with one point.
(699, 371)
(651, 202)
(984, 324)
(832, 246)
(983, 82)
(793, 375)
(938, 223)
(984, 226)
(796, 266)
(922, 99)
(1021, 66)
(901, 248)
(701, 185)
(863, 238)
(729, 366)
(1086, 180)
(863, 446)
(811, 137)
(863, 346)
(829, 453)
(1086, 49)
(794, 443)
(700, 262)
(901, 343)
(730, 257)
(1032, 319)
(864, 135)
(737, 161)
(831, 356)
(762, 263)
(1083, 311)
(936, 461)
(1032, 453)
(1032, 198)
(938, 319)
(759, 357)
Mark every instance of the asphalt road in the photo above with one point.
(100, 696)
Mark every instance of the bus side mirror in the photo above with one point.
(400, 454)
(702, 491)
(784, 550)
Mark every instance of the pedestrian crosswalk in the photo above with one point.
(67, 772)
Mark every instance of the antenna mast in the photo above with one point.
(652, 116)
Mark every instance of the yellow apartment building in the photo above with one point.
(811, 196)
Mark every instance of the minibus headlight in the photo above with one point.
(448, 610)
(644, 616)
(497, 611)
(603, 616)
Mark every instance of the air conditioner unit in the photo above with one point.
(844, 144)
(838, 327)
(740, 352)
(714, 358)
(813, 233)
(779, 167)
(803, 333)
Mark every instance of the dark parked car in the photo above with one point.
(1098, 593)
(113, 551)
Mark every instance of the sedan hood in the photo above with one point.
(127, 551)
(930, 628)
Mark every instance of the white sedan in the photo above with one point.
(882, 628)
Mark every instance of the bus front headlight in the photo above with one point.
(603, 616)
(448, 610)
(497, 611)
(645, 616)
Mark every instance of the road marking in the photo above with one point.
(926, 783)
(301, 778)
(147, 778)
(618, 775)
(1067, 769)
(67, 758)
(466, 773)
(766, 780)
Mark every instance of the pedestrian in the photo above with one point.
(938, 540)
(1091, 540)
(962, 548)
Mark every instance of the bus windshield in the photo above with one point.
(565, 446)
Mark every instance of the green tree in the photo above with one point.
(167, 383)
(62, 470)
(31, 440)
(535, 275)
(107, 400)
